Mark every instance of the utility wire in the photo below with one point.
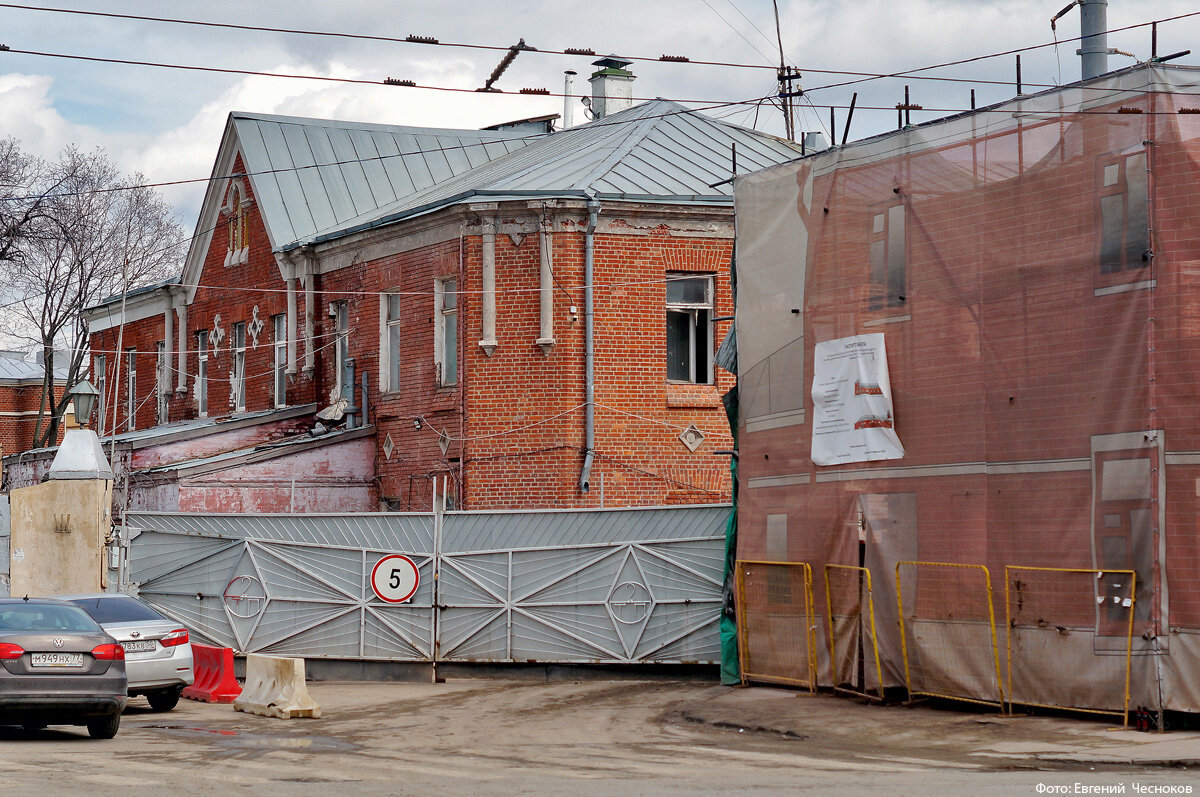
(420, 40)
(913, 73)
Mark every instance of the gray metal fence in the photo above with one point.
(611, 586)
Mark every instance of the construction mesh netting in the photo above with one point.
(976, 342)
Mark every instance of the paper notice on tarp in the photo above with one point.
(852, 402)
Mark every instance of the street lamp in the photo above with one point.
(84, 397)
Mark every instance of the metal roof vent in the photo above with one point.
(612, 86)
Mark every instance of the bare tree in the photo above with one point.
(95, 232)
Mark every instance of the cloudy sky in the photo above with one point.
(166, 123)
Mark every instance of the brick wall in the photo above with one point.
(515, 419)
(19, 403)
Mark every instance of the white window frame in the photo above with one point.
(389, 342)
(130, 389)
(162, 381)
(446, 315)
(279, 331)
(340, 312)
(239, 366)
(202, 373)
(100, 374)
(693, 311)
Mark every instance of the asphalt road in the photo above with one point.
(564, 738)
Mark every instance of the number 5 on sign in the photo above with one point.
(395, 578)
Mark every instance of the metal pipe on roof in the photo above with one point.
(589, 408)
(568, 119)
(1093, 42)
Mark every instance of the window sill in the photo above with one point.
(682, 395)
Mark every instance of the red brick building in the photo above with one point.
(21, 383)
(427, 288)
(1031, 268)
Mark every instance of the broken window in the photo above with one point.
(888, 258)
(446, 335)
(1124, 222)
(202, 373)
(689, 328)
(239, 367)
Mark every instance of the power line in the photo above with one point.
(913, 72)
(859, 75)
(420, 40)
(290, 76)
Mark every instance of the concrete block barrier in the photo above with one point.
(275, 688)
(215, 682)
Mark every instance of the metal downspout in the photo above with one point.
(589, 409)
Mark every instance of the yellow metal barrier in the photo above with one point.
(846, 624)
(776, 637)
(945, 622)
(1055, 615)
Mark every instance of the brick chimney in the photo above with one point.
(612, 86)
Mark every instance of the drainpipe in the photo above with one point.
(589, 410)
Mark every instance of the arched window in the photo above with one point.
(235, 215)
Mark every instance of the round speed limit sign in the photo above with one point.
(395, 578)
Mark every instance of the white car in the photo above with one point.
(158, 655)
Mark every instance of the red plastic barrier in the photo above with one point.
(214, 682)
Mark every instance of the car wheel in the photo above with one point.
(104, 728)
(163, 700)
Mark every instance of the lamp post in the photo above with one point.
(83, 395)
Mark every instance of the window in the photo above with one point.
(1124, 225)
(239, 367)
(888, 273)
(202, 373)
(162, 384)
(99, 373)
(446, 333)
(341, 349)
(131, 389)
(689, 329)
(235, 213)
(390, 360)
(279, 323)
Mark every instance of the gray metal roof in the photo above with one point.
(355, 168)
(14, 367)
(655, 151)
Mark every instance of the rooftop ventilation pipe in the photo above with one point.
(568, 119)
(612, 86)
(589, 407)
(1093, 28)
(1093, 35)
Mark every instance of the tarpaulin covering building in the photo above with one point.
(976, 342)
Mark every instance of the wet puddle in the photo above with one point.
(248, 740)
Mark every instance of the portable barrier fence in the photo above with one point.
(777, 640)
(854, 666)
(1053, 615)
(948, 632)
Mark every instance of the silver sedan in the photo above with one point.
(158, 653)
(58, 667)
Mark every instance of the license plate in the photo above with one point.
(140, 646)
(56, 659)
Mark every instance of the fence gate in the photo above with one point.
(603, 586)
